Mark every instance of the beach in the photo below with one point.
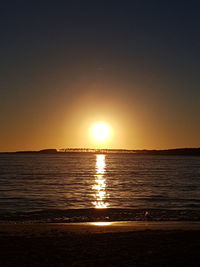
(100, 244)
(99, 210)
(99, 139)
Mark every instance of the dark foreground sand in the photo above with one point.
(118, 244)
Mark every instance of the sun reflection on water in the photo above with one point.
(99, 186)
(101, 223)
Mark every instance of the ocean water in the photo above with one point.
(82, 187)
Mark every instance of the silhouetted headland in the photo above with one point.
(176, 152)
(43, 151)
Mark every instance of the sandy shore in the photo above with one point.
(110, 244)
(21, 229)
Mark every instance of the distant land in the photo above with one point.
(177, 151)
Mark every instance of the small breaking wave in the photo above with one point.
(90, 215)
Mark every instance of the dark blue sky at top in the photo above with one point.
(147, 42)
(162, 33)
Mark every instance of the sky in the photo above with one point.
(65, 65)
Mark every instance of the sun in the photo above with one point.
(101, 132)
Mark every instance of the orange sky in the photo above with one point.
(65, 66)
(136, 123)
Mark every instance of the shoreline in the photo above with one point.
(95, 227)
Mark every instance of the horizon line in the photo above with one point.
(63, 150)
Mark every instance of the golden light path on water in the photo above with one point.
(99, 186)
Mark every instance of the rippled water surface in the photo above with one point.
(33, 182)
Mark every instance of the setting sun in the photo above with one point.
(101, 132)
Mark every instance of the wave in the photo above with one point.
(110, 214)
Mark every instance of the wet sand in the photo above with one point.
(87, 244)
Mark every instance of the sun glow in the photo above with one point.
(101, 132)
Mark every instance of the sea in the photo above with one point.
(81, 187)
